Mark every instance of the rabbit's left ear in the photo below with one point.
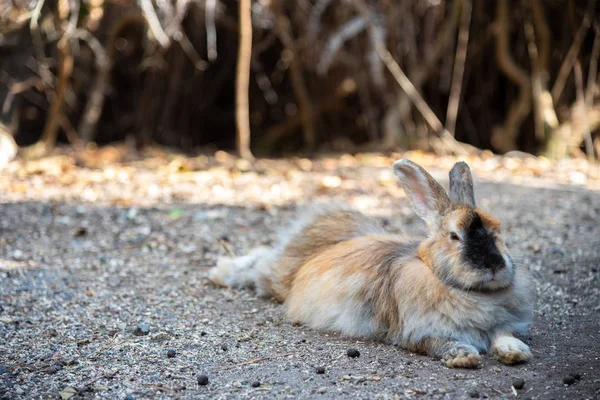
(428, 198)
(461, 185)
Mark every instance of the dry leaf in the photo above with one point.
(67, 393)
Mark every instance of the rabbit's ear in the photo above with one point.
(428, 198)
(461, 185)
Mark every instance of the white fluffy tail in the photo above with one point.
(249, 271)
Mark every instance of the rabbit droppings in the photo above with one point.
(452, 295)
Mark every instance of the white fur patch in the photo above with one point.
(245, 271)
(510, 350)
(505, 344)
(330, 303)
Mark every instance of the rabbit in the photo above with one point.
(453, 295)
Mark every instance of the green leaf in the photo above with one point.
(175, 212)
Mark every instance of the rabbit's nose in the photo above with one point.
(497, 267)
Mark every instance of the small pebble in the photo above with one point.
(224, 347)
(171, 353)
(353, 353)
(51, 370)
(255, 384)
(3, 369)
(202, 380)
(84, 389)
(202, 333)
(17, 255)
(322, 390)
(518, 383)
(569, 380)
(320, 370)
(80, 232)
(142, 329)
(474, 394)
(130, 397)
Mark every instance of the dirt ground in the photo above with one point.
(103, 288)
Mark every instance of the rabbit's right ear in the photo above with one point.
(428, 198)
(461, 185)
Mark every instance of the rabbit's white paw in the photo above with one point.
(510, 350)
(461, 356)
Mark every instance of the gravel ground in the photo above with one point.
(103, 289)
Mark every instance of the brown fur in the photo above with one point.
(326, 231)
(377, 259)
(489, 221)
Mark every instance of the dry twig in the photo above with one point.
(154, 23)
(38, 43)
(93, 108)
(582, 112)
(459, 67)
(256, 360)
(242, 113)
(593, 70)
(48, 138)
(419, 102)
(211, 30)
(570, 58)
(347, 31)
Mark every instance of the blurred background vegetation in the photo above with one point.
(303, 75)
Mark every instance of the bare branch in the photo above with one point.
(377, 35)
(570, 58)
(48, 138)
(418, 101)
(459, 67)
(73, 19)
(211, 31)
(542, 35)
(347, 31)
(582, 111)
(593, 70)
(242, 114)
(314, 20)
(154, 23)
(95, 103)
(190, 50)
(38, 42)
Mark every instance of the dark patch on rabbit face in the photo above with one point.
(470, 253)
(479, 246)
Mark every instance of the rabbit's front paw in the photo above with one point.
(510, 350)
(461, 356)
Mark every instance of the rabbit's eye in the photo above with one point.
(454, 236)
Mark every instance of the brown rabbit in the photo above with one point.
(452, 295)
